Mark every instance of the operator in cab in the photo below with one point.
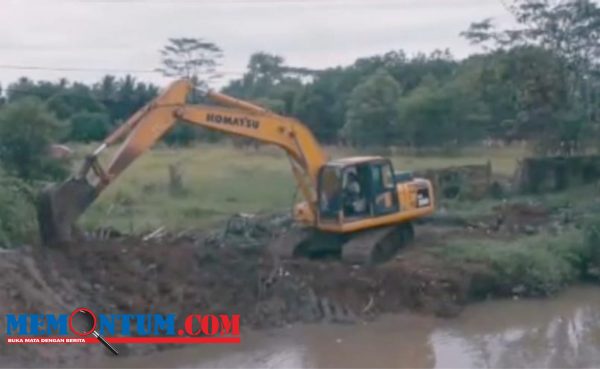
(355, 201)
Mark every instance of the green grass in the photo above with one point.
(580, 198)
(220, 180)
(536, 265)
(217, 182)
(504, 161)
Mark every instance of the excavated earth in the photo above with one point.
(227, 271)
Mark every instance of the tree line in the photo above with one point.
(538, 82)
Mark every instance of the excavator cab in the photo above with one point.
(364, 210)
(354, 189)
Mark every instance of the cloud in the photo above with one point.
(312, 33)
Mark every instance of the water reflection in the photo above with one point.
(558, 333)
(563, 332)
(393, 342)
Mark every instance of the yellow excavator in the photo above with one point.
(357, 207)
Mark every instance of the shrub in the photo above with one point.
(86, 126)
(537, 265)
(18, 223)
(27, 129)
(592, 246)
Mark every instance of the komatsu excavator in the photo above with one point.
(357, 207)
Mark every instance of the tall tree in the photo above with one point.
(87, 126)
(197, 60)
(267, 77)
(74, 99)
(27, 128)
(442, 115)
(106, 92)
(371, 115)
(24, 87)
(192, 58)
(265, 66)
(569, 30)
(322, 105)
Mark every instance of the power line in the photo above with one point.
(93, 70)
(74, 69)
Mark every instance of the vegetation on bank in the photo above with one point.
(27, 129)
(18, 219)
(536, 265)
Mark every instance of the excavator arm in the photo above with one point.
(60, 207)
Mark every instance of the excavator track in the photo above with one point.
(288, 244)
(367, 247)
(377, 245)
(308, 243)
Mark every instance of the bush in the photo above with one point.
(537, 265)
(17, 214)
(27, 129)
(371, 115)
(592, 246)
(86, 126)
(181, 135)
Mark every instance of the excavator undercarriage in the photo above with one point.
(371, 246)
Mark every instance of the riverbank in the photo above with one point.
(516, 250)
(560, 332)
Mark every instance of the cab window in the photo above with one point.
(385, 197)
(383, 177)
(330, 187)
(387, 176)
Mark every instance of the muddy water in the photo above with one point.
(559, 332)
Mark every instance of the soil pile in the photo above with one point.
(225, 271)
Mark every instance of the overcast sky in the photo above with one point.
(127, 34)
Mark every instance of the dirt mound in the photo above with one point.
(218, 272)
(230, 270)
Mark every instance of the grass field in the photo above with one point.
(220, 180)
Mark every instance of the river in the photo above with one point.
(558, 332)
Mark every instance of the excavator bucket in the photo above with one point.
(58, 208)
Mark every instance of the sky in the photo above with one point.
(125, 35)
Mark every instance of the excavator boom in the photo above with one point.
(367, 225)
(60, 206)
